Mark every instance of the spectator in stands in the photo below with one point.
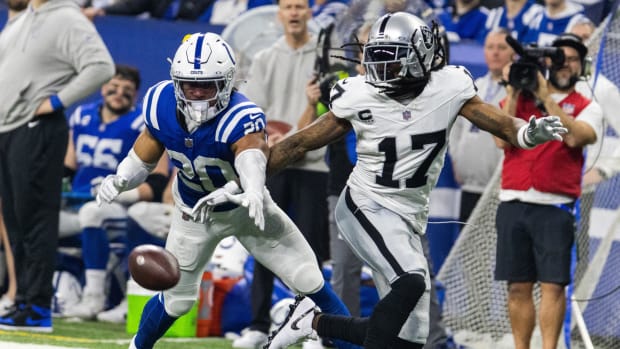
(474, 153)
(535, 219)
(216, 12)
(465, 20)
(583, 29)
(8, 298)
(100, 137)
(558, 16)
(603, 160)
(376, 9)
(277, 80)
(325, 12)
(60, 60)
(515, 15)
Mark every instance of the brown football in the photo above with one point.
(153, 268)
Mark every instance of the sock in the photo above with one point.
(95, 281)
(95, 248)
(329, 303)
(392, 311)
(154, 323)
(347, 328)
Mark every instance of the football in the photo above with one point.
(154, 268)
(275, 127)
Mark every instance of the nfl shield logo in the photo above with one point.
(406, 115)
(568, 108)
(189, 143)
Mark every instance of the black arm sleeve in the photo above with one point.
(69, 172)
(158, 183)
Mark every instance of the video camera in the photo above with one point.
(523, 73)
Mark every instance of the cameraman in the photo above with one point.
(535, 219)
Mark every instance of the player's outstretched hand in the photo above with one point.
(545, 129)
(110, 187)
(201, 210)
(254, 203)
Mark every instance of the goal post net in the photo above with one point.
(475, 305)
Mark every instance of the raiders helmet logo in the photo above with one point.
(427, 37)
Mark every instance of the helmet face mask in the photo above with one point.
(386, 63)
(203, 71)
(400, 47)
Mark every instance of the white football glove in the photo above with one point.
(110, 187)
(543, 130)
(201, 210)
(254, 203)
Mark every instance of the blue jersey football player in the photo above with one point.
(213, 135)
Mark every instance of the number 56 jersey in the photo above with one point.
(401, 147)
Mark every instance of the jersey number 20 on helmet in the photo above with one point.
(203, 62)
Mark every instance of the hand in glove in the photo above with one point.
(110, 187)
(543, 130)
(254, 203)
(201, 209)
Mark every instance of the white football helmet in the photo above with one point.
(400, 45)
(203, 58)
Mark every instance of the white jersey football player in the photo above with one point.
(401, 111)
(213, 134)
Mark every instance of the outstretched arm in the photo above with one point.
(513, 130)
(134, 169)
(322, 131)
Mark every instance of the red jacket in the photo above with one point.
(552, 167)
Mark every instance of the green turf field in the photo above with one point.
(99, 335)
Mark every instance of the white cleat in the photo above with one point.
(90, 305)
(6, 305)
(312, 344)
(250, 339)
(116, 315)
(132, 344)
(297, 327)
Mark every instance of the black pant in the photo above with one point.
(303, 195)
(31, 170)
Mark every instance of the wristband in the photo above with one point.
(56, 103)
(522, 138)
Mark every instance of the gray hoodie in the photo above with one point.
(53, 50)
(276, 82)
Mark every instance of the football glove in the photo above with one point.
(253, 201)
(201, 210)
(110, 187)
(542, 130)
